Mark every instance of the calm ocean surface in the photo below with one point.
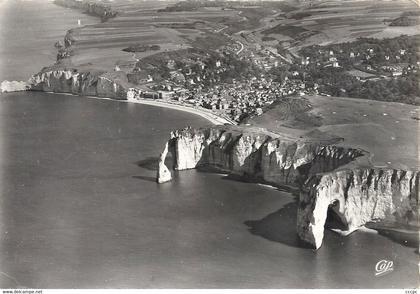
(79, 206)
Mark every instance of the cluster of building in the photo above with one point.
(235, 100)
(201, 82)
(198, 82)
(387, 65)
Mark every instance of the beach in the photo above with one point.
(80, 206)
(211, 117)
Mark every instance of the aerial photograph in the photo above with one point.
(209, 144)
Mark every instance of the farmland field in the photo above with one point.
(387, 130)
(292, 24)
(141, 24)
(336, 21)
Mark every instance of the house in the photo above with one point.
(165, 95)
(181, 91)
(396, 70)
(150, 95)
(201, 64)
(305, 61)
(140, 77)
(171, 64)
(189, 71)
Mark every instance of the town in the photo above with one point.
(235, 59)
(237, 86)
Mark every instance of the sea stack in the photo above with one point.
(163, 173)
(328, 176)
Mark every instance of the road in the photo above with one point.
(242, 47)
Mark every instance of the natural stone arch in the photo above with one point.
(364, 194)
(312, 216)
(335, 216)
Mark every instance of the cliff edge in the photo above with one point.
(329, 177)
(94, 8)
(88, 83)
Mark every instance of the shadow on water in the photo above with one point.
(287, 189)
(150, 163)
(145, 178)
(405, 238)
(279, 226)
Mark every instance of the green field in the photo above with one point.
(140, 24)
(337, 21)
(390, 131)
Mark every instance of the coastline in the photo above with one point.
(82, 172)
(18, 85)
(214, 119)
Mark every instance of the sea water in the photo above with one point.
(80, 208)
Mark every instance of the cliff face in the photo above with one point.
(13, 86)
(357, 196)
(261, 156)
(164, 175)
(71, 81)
(94, 8)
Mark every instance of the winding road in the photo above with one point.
(242, 47)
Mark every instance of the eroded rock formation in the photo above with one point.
(80, 83)
(357, 196)
(163, 173)
(261, 155)
(13, 86)
(327, 175)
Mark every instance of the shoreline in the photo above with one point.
(214, 119)
(204, 113)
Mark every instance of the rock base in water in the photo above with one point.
(327, 175)
(100, 84)
(163, 173)
(357, 197)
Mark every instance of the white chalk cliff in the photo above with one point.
(325, 174)
(357, 196)
(260, 155)
(13, 86)
(163, 174)
(79, 83)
